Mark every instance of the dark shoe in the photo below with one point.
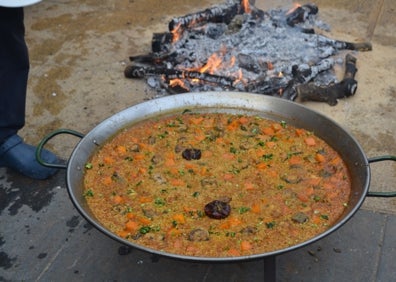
(17, 155)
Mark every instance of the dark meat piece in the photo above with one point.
(191, 154)
(159, 178)
(300, 217)
(291, 179)
(208, 182)
(217, 209)
(181, 144)
(150, 213)
(152, 140)
(249, 230)
(135, 148)
(156, 159)
(198, 235)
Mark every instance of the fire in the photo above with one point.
(177, 33)
(214, 62)
(295, 6)
(178, 82)
(246, 6)
(239, 78)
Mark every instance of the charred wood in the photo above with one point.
(331, 93)
(305, 73)
(169, 74)
(152, 58)
(343, 45)
(363, 46)
(222, 13)
(301, 14)
(161, 40)
(273, 86)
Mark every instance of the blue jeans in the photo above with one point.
(14, 70)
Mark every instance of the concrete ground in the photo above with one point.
(79, 50)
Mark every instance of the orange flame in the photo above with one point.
(213, 63)
(176, 33)
(177, 82)
(239, 77)
(246, 6)
(295, 6)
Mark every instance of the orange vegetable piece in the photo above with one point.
(246, 246)
(315, 219)
(249, 186)
(243, 120)
(117, 199)
(144, 199)
(200, 137)
(320, 158)
(295, 160)
(314, 181)
(300, 132)
(179, 218)
(302, 197)
(220, 140)
(277, 127)
(261, 166)
(268, 131)
(270, 144)
(310, 141)
(138, 157)
(131, 226)
(272, 173)
(233, 252)
(177, 182)
(228, 176)
(123, 233)
(121, 150)
(170, 162)
(144, 220)
(233, 125)
(207, 154)
(173, 231)
(196, 120)
(256, 208)
(229, 156)
(108, 160)
(107, 180)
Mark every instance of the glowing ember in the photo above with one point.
(295, 6)
(246, 6)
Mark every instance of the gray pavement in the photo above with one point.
(79, 50)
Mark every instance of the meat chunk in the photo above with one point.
(198, 235)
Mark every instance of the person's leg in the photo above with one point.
(14, 70)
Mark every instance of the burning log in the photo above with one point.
(301, 14)
(222, 13)
(329, 94)
(236, 46)
(169, 74)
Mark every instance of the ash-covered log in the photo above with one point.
(331, 93)
(169, 74)
(222, 13)
(301, 14)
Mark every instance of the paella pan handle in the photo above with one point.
(380, 159)
(47, 138)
